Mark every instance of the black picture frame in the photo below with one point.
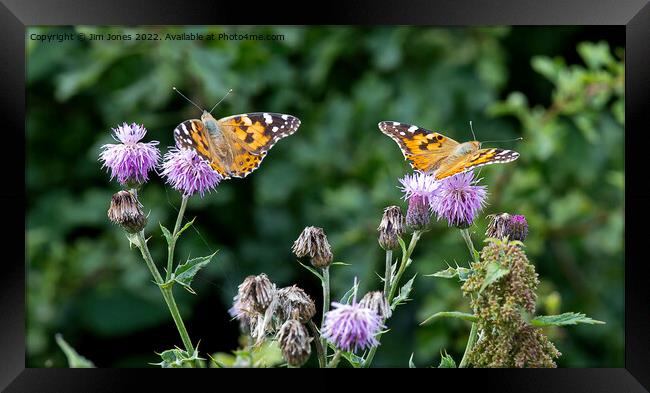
(634, 15)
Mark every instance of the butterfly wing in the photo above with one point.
(424, 149)
(252, 135)
(473, 160)
(192, 134)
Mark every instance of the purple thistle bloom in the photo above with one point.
(131, 160)
(351, 327)
(419, 189)
(459, 199)
(188, 172)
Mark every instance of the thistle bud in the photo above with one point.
(376, 301)
(501, 225)
(256, 292)
(418, 215)
(391, 228)
(313, 242)
(294, 342)
(296, 304)
(126, 211)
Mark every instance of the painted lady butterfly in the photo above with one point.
(430, 151)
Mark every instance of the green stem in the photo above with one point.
(389, 262)
(172, 243)
(393, 287)
(474, 330)
(470, 344)
(326, 303)
(335, 360)
(166, 293)
(322, 359)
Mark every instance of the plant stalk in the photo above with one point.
(474, 330)
(326, 304)
(172, 243)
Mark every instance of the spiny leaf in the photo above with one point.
(166, 234)
(451, 314)
(462, 273)
(311, 269)
(404, 292)
(494, 272)
(187, 225)
(568, 318)
(184, 274)
(347, 296)
(74, 359)
(446, 361)
(411, 364)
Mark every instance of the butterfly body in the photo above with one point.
(234, 145)
(432, 152)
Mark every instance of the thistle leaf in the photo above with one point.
(568, 318)
(404, 292)
(446, 361)
(184, 274)
(451, 314)
(494, 272)
(74, 359)
(166, 234)
(187, 225)
(311, 269)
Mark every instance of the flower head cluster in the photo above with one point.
(459, 200)
(313, 242)
(351, 326)
(376, 301)
(294, 303)
(419, 189)
(126, 211)
(391, 228)
(188, 172)
(501, 225)
(506, 339)
(130, 160)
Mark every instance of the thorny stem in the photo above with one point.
(335, 360)
(326, 303)
(402, 267)
(474, 331)
(172, 243)
(166, 293)
(322, 359)
(387, 276)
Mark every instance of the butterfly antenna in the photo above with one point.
(182, 95)
(521, 138)
(472, 129)
(224, 97)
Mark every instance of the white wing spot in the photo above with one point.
(275, 129)
(267, 118)
(285, 117)
(395, 123)
(413, 128)
(402, 133)
(247, 120)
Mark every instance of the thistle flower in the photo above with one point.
(294, 303)
(313, 242)
(294, 342)
(419, 189)
(243, 314)
(350, 327)
(130, 160)
(126, 211)
(391, 227)
(502, 225)
(188, 172)
(459, 199)
(256, 293)
(376, 301)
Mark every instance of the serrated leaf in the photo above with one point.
(411, 364)
(494, 271)
(446, 361)
(166, 234)
(354, 360)
(184, 274)
(311, 269)
(74, 359)
(133, 240)
(462, 273)
(177, 358)
(451, 314)
(404, 292)
(567, 318)
(187, 225)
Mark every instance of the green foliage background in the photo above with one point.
(564, 96)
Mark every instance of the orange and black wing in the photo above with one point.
(192, 134)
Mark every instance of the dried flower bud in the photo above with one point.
(497, 228)
(313, 242)
(502, 225)
(294, 342)
(376, 301)
(256, 291)
(296, 304)
(126, 211)
(391, 227)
